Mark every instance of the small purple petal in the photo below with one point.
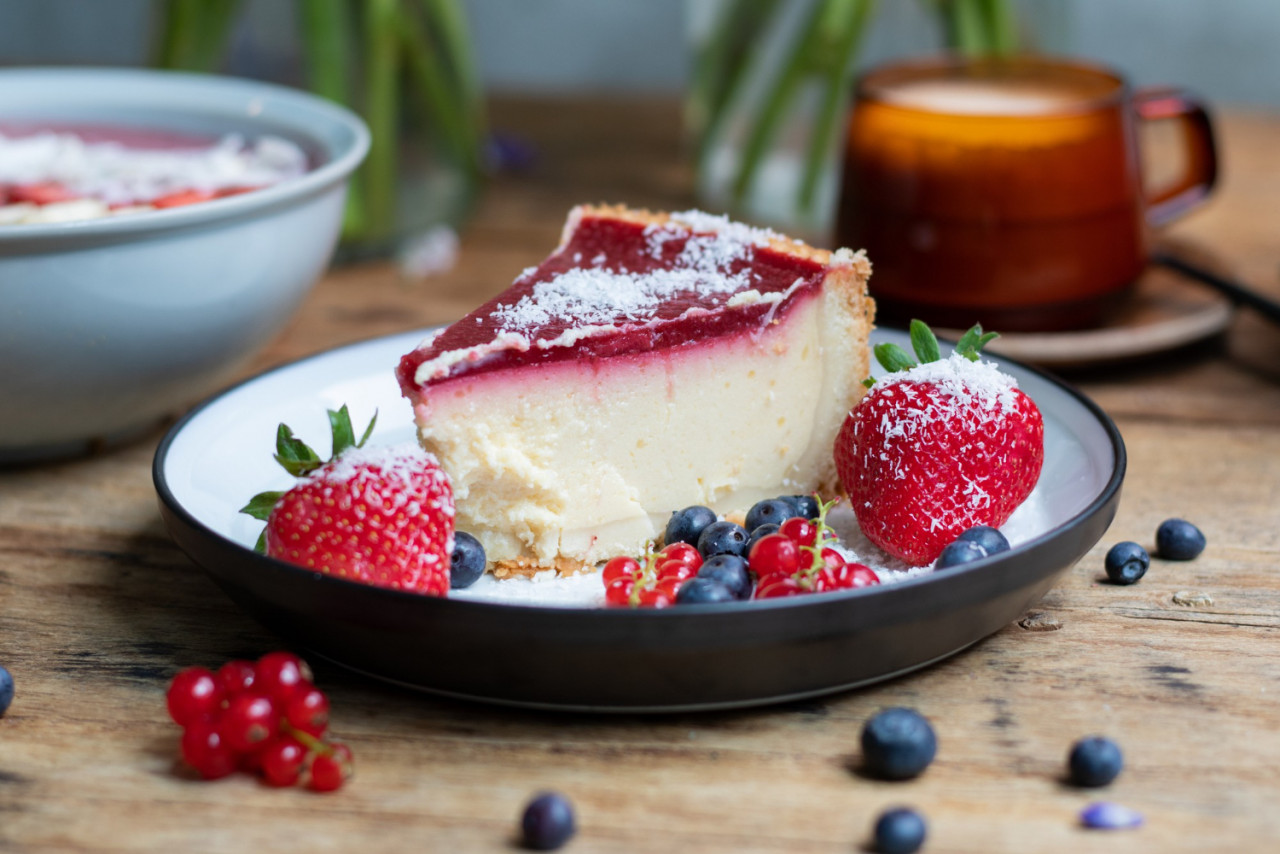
(1104, 815)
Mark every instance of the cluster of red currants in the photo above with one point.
(263, 717)
(797, 559)
(654, 582)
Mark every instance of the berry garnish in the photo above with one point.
(204, 749)
(798, 560)
(1094, 761)
(466, 561)
(703, 591)
(653, 582)
(899, 831)
(6, 690)
(961, 551)
(806, 506)
(685, 526)
(1104, 815)
(280, 675)
(1178, 539)
(760, 533)
(773, 511)
(1126, 563)
(989, 538)
(723, 538)
(281, 761)
(936, 448)
(547, 822)
(263, 717)
(194, 695)
(347, 517)
(730, 571)
(898, 744)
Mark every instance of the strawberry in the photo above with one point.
(937, 448)
(378, 516)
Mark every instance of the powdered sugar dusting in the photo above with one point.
(960, 380)
(714, 259)
(406, 462)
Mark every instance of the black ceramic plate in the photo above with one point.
(688, 657)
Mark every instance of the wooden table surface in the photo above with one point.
(98, 609)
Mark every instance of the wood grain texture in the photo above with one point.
(98, 609)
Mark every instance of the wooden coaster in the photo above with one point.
(1165, 311)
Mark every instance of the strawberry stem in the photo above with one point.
(806, 576)
(924, 342)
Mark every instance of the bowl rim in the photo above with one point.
(257, 94)
(180, 514)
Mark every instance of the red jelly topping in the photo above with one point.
(616, 246)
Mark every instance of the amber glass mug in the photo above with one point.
(1009, 192)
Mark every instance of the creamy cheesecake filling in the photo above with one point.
(586, 459)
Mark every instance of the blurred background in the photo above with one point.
(554, 46)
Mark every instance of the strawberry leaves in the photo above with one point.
(925, 344)
(298, 459)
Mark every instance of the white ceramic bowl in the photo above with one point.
(108, 325)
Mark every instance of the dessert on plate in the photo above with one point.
(653, 361)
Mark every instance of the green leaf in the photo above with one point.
(340, 427)
(924, 342)
(294, 454)
(869, 382)
(972, 342)
(261, 545)
(261, 505)
(368, 431)
(893, 358)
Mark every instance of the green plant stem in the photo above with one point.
(445, 104)
(721, 66)
(454, 38)
(382, 60)
(968, 31)
(324, 25)
(1002, 27)
(776, 104)
(856, 14)
(194, 33)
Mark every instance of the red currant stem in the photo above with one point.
(307, 740)
(648, 575)
(806, 576)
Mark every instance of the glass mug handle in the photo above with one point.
(1201, 173)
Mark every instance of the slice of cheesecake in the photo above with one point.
(651, 362)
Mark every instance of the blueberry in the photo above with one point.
(1178, 539)
(1126, 562)
(547, 822)
(723, 538)
(466, 561)
(758, 534)
(961, 551)
(703, 591)
(6, 690)
(730, 571)
(899, 831)
(806, 505)
(685, 526)
(898, 744)
(1094, 761)
(1105, 815)
(773, 511)
(989, 538)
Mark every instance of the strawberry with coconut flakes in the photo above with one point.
(380, 516)
(936, 448)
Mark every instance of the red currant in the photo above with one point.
(674, 569)
(655, 598)
(847, 577)
(775, 586)
(280, 674)
(684, 553)
(308, 711)
(618, 591)
(282, 761)
(250, 719)
(620, 567)
(774, 554)
(801, 531)
(329, 771)
(204, 749)
(194, 695)
(236, 677)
